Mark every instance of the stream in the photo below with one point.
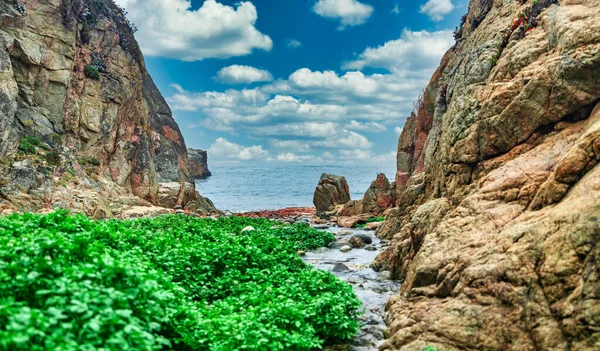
(372, 288)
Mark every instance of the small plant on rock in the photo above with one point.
(53, 158)
(28, 145)
(89, 161)
(92, 72)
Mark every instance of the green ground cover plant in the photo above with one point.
(169, 283)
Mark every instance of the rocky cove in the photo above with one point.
(485, 238)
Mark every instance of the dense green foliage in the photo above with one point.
(174, 282)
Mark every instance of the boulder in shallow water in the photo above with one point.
(346, 248)
(339, 268)
(357, 242)
(332, 191)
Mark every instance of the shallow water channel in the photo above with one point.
(370, 287)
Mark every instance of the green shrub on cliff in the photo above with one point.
(28, 144)
(92, 72)
(174, 282)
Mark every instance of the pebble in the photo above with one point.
(180, 211)
(178, 207)
(370, 248)
(301, 253)
(346, 248)
(248, 229)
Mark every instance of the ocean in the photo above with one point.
(243, 188)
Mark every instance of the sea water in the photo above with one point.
(242, 188)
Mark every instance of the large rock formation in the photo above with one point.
(331, 191)
(198, 164)
(378, 198)
(73, 81)
(497, 226)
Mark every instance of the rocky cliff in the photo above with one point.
(79, 114)
(198, 164)
(497, 223)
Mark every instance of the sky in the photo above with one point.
(293, 81)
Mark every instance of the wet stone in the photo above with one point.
(340, 267)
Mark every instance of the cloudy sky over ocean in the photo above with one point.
(302, 81)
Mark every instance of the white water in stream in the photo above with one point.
(368, 285)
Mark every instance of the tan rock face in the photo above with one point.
(121, 120)
(496, 236)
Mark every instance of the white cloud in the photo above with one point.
(398, 130)
(237, 74)
(352, 140)
(293, 43)
(295, 145)
(366, 126)
(291, 157)
(222, 149)
(414, 54)
(170, 28)
(396, 10)
(309, 111)
(348, 12)
(437, 9)
(307, 129)
(367, 156)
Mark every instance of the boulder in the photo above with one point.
(331, 191)
(377, 199)
(340, 268)
(185, 196)
(357, 242)
(351, 222)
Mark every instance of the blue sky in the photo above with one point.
(312, 81)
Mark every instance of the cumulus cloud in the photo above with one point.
(348, 12)
(237, 74)
(307, 129)
(398, 130)
(295, 145)
(223, 149)
(414, 54)
(325, 112)
(368, 156)
(366, 126)
(291, 157)
(170, 28)
(352, 140)
(396, 10)
(293, 43)
(437, 9)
